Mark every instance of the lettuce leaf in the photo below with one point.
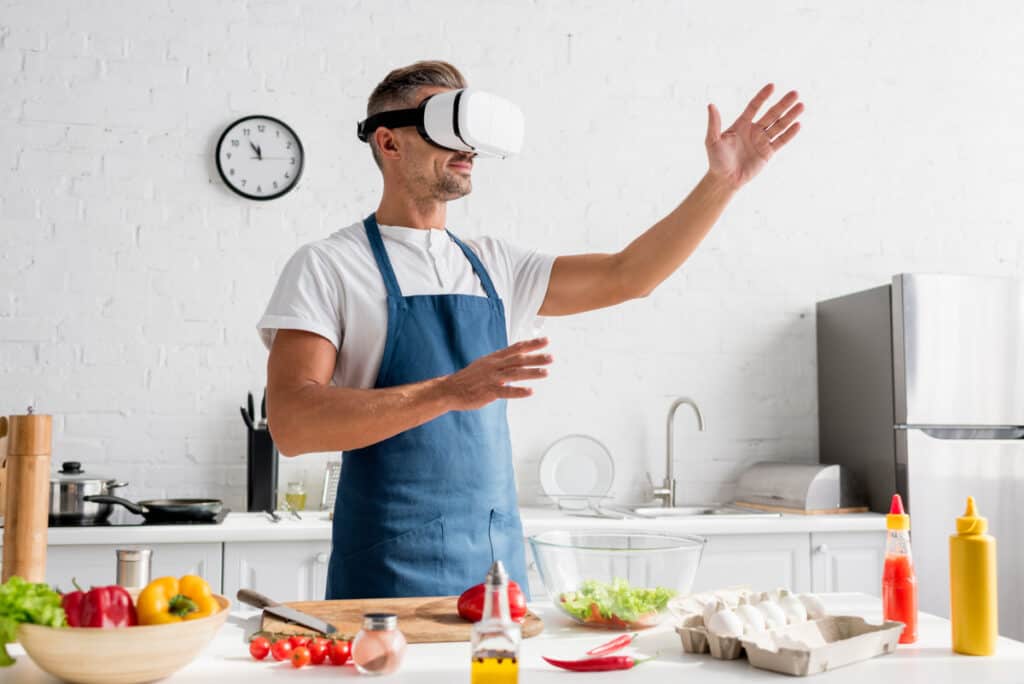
(22, 601)
(616, 600)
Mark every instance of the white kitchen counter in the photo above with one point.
(930, 660)
(315, 526)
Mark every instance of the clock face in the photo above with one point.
(259, 157)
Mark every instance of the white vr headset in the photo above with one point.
(464, 120)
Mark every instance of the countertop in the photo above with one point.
(930, 660)
(315, 526)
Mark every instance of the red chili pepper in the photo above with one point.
(99, 607)
(616, 644)
(605, 664)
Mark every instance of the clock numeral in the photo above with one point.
(277, 134)
(261, 127)
(234, 143)
(232, 172)
(244, 182)
(287, 175)
(259, 188)
(293, 161)
(229, 155)
(275, 185)
(246, 131)
(288, 145)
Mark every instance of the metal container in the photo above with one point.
(68, 490)
(133, 567)
(799, 488)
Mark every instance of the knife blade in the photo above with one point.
(283, 612)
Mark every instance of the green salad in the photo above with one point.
(22, 601)
(616, 604)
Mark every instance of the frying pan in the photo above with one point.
(165, 510)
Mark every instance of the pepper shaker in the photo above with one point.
(133, 567)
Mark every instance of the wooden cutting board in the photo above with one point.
(423, 620)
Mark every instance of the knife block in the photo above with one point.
(28, 496)
(261, 475)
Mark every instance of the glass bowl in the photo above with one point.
(620, 581)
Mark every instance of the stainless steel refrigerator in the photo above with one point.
(921, 392)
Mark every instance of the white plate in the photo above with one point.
(576, 466)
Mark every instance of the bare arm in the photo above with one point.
(584, 282)
(307, 414)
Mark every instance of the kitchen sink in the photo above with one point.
(714, 509)
(613, 510)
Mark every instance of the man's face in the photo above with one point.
(437, 173)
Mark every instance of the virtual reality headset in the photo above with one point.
(464, 120)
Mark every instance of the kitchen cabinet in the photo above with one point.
(96, 564)
(284, 571)
(847, 562)
(762, 561)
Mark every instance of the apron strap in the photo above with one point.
(381, 255)
(478, 267)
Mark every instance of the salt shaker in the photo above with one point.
(379, 646)
(133, 567)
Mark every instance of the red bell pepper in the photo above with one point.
(99, 607)
(471, 603)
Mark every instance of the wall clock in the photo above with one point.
(259, 157)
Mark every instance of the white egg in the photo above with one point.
(792, 607)
(773, 615)
(753, 619)
(712, 607)
(725, 623)
(815, 608)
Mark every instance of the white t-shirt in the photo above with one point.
(332, 287)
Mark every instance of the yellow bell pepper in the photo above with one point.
(167, 599)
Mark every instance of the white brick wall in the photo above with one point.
(131, 279)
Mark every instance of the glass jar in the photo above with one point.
(379, 647)
(295, 495)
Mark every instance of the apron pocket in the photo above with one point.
(411, 564)
(506, 536)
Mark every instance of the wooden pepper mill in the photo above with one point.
(28, 495)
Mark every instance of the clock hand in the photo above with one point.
(259, 153)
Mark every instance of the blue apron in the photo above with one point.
(426, 512)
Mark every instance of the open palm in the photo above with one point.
(741, 151)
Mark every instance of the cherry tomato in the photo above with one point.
(471, 603)
(300, 657)
(259, 647)
(299, 640)
(318, 651)
(339, 652)
(281, 650)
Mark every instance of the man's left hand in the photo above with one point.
(741, 151)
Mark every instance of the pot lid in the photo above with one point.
(71, 471)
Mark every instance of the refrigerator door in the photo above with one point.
(942, 473)
(958, 350)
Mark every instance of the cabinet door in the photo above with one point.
(847, 561)
(284, 571)
(763, 561)
(96, 564)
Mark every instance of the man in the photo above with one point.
(389, 341)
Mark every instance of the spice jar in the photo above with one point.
(379, 647)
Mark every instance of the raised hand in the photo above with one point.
(741, 151)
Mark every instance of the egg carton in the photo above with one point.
(801, 649)
(697, 639)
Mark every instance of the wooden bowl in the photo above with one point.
(125, 655)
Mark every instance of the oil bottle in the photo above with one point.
(495, 639)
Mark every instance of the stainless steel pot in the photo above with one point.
(68, 489)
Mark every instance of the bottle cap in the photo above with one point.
(897, 518)
(970, 522)
(380, 622)
(496, 576)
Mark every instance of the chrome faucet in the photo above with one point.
(667, 492)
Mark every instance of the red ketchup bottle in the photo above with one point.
(899, 585)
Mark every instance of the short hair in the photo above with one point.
(399, 88)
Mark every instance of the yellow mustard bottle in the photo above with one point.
(973, 599)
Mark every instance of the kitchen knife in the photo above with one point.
(272, 607)
(252, 410)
